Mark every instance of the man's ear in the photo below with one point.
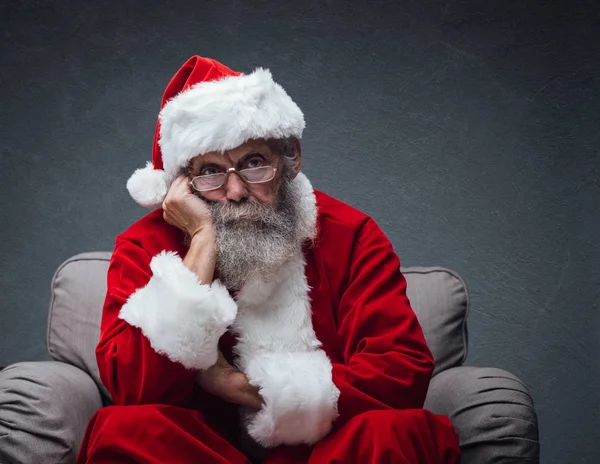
(296, 158)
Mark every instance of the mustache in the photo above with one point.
(247, 210)
(251, 211)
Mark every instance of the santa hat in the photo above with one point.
(208, 107)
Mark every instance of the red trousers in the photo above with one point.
(152, 434)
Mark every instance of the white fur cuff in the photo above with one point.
(300, 398)
(181, 318)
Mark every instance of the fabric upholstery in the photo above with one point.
(77, 294)
(440, 300)
(438, 297)
(491, 410)
(44, 409)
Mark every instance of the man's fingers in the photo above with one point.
(178, 187)
(253, 400)
(180, 184)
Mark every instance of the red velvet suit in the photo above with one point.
(361, 315)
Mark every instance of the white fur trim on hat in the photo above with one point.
(223, 114)
(148, 186)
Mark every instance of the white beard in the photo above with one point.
(253, 239)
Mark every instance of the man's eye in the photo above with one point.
(209, 171)
(255, 162)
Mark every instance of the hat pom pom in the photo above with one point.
(148, 186)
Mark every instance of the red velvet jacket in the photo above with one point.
(360, 314)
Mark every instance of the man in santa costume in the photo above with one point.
(250, 318)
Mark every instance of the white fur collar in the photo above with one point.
(308, 208)
(280, 353)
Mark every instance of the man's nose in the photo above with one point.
(235, 187)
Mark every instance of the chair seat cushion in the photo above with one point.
(44, 409)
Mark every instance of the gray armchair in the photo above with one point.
(45, 406)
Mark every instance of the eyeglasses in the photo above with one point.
(250, 176)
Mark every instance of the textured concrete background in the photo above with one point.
(468, 129)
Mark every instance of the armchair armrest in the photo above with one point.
(44, 410)
(491, 411)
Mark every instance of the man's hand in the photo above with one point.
(185, 210)
(224, 381)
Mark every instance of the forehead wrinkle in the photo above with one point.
(222, 159)
(234, 156)
(243, 151)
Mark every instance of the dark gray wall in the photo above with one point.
(468, 129)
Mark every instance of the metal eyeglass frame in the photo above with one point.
(237, 171)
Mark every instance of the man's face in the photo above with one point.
(256, 224)
(251, 154)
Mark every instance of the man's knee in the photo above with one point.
(139, 410)
(403, 436)
(388, 417)
(405, 423)
(154, 433)
(116, 417)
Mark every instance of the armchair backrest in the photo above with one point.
(438, 297)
